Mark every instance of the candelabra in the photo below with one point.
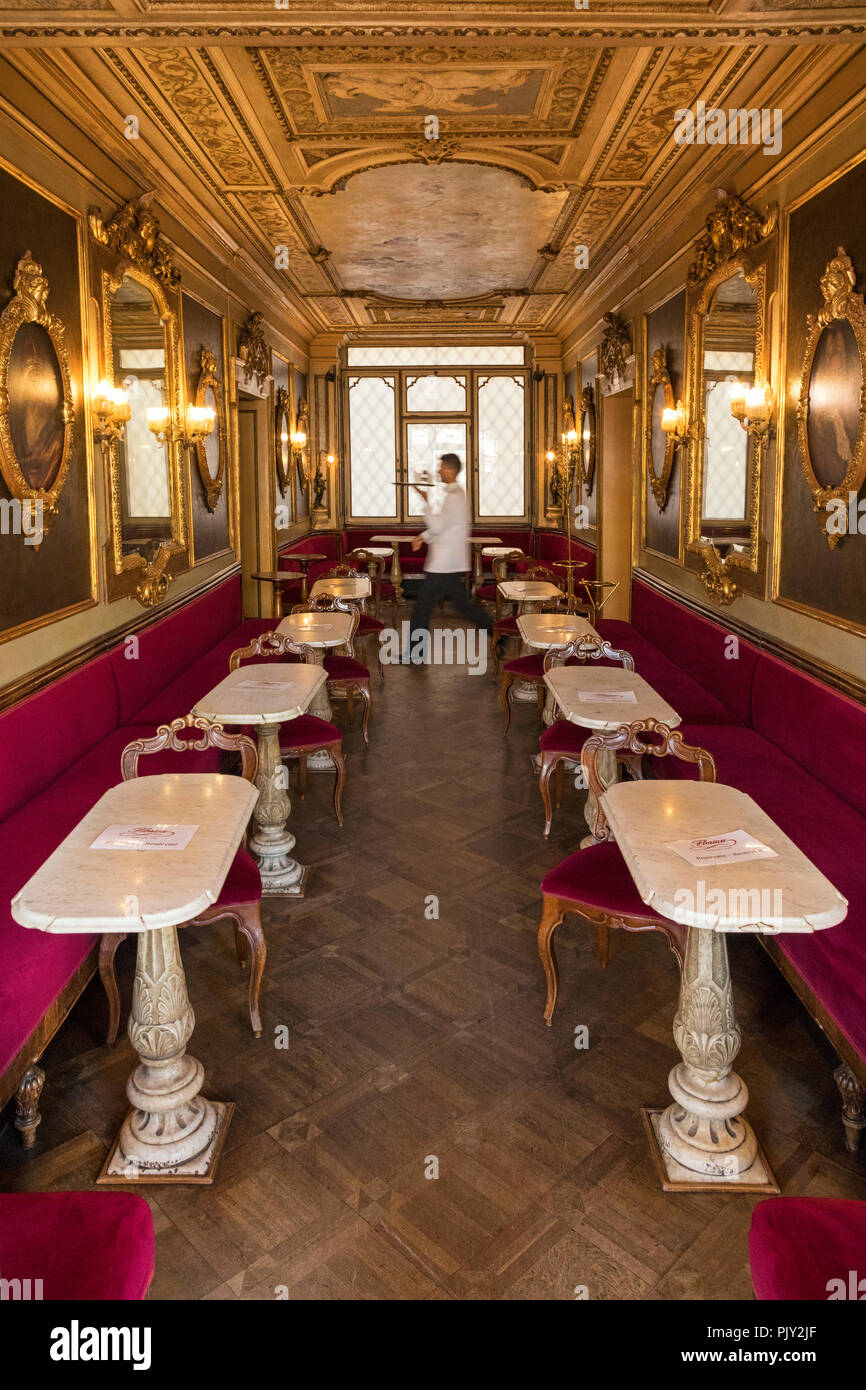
(673, 422)
(111, 410)
(199, 423)
(752, 407)
(565, 462)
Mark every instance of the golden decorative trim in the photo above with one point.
(840, 302)
(28, 305)
(285, 412)
(133, 574)
(660, 376)
(614, 351)
(721, 575)
(587, 413)
(133, 234)
(732, 227)
(254, 351)
(208, 380)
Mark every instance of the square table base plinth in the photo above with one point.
(200, 1170)
(675, 1178)
(287, 890)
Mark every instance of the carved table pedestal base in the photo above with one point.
(272, 842)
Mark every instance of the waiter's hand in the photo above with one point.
(421, 490)
(417, 542)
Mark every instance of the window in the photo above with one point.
(401, 421)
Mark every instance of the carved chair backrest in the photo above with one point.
(542, 572)
(644, 736)
(270, 644)
(167, 739)
(588, 649)
(340, 572)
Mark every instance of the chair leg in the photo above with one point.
(552, 914)
(560, 780)
(541, 696)
(853, 1095)
(27, 1117)
(107, 950)
(247, 917)
(302, 775)
(240, 947)
(350, 703)
(549, 763)
(602, 943)
(504, 697)
(340, 765)
(364, 692)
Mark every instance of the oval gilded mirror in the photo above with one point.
(210, 451)
(660, 446)
(587, 437)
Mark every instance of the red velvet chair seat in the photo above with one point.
(84, 1246)
(243, 881)
(487, 591)
(308, 731)
(368, 623)
(506, 625)
(564, 737)
(345, 668)
(597, 876)
(797, 1245)
(527, 667)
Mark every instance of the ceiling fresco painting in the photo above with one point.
(433, 165)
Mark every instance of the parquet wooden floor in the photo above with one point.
(417, 1044)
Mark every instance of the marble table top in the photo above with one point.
(343, 588)
(554, 629)
(392, 540)
(269, 693)
(485, 540)
(498, 551)
(81, 889)
(381, 550)
(583, 694)
(317, 629)
(528, 589)
(785, 893)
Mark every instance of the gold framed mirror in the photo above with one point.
(283, 431)
(586, 442)
(831, 410)
(210, 449)
(659, 445)
(37, 410)
(729, 400)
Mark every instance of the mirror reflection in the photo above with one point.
(139, 350)
(728, 366)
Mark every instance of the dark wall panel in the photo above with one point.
(203, 328)
(36, 582)
(666, 328)
(588, 372)
(833, 582)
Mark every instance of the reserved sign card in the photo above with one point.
(145, 837)
(732, 848)
(607, 697)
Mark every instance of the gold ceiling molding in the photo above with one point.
(133, 234)
(682, 76)
(732, 227)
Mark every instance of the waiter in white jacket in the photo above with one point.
(448, 560)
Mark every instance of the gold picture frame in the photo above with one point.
(659, 377)
(586, 441)
(841, 306)
(208, 380)
(23, 477)
(284, 418)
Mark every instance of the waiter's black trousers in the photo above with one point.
(435, 589)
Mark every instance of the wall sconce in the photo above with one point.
(200, 420)
(111, 409)
(752, 406)
(673, 422)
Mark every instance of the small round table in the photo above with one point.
(277, 578)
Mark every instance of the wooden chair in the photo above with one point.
(300, 738)
(382, 588)
(240, 898)
(562, 741)
(344, 672)
(595, 883)
(488, 589)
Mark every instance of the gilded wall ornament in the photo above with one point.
(284, 429)
(133, 234)
(254, 351)
(659, 381)
(586, 441)
(209, 392)
(614, 352)
(732, 227)
(37, 413)
(831, 411)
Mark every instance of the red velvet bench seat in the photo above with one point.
(808, 1249)
(76, 1246)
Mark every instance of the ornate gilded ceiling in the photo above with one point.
(287, 126)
